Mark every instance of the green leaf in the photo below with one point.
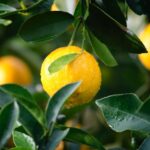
(19, 148)
(56, 137)
(122, 112)
(145, 145)
(45, 26)
(39, 6)
(61, 62)
(8, 117)
(23, 97)
(112, 33)
(23, 140)
(31, 124)
(57, 101)
(6, 8)
(16, 91)
(5, 22)
(113, 10)
(4, 98)
(102, 51)
(79, 136)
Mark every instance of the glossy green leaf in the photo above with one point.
(23, 140)
(16, 91)
(145, 145)
(4, 98)
(102, 51)
(13, 91)
(112, 33)
(56, 137)
(8, 117)
(113, 10)
(45, 26)
(31, 124)
(5, 22)
(6, 8)
(79, 136)
(61, 62)
(122, 113)
(57, 101)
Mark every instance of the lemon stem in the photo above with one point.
(22, 5)
(74, 33)
(83, 38)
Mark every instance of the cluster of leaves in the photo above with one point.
(103, 25)
(31, 128)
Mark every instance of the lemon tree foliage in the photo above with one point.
(126, 112)
(72, 77)
(8, 118)
(33, 130)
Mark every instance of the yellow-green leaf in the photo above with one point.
(61, 62)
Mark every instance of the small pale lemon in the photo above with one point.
(14, 70)
(83, 68)
(145, 38)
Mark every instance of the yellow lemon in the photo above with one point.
(83, 68)
(145, 38)
(14, 70)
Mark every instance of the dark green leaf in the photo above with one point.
(136, 6)
(57, 101)
(16, 91)
(45, 26)
(145, 145)
(20, 94)
(102, 51)
(31, 124)
(8, 117)
(113, 10)
(23, 140)
(56, 137)
(4, 98)
(121, 113)
(79, 136)
(61, 62)
(112, 33)
(39, 6)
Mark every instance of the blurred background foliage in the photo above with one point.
(128, 76)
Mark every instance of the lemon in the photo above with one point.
(83, 68)
(14, 70)
(145, 38)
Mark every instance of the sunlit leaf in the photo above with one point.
(61, 62)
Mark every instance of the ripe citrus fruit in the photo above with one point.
(14, 70)
(83, 68)
(145, 38)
